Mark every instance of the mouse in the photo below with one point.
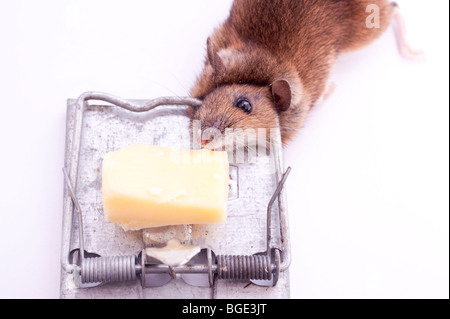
(268, 64)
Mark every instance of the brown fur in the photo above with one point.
(265, 41)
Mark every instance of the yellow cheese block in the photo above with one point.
(150, 186)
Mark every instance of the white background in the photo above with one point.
(368, 194)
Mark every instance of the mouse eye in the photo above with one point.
(244, 104)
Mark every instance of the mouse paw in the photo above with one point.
(330, 90)
(327, 93)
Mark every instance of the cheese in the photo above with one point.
(147, 186)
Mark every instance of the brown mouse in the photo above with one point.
(270, 61)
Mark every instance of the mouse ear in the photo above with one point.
(281, 92)
(214, 59)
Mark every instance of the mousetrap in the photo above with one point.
(246, 257)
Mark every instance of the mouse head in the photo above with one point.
(239, 92)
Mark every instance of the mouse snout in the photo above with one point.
(215, 124)
(206, 131)
(211, 132)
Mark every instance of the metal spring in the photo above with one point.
(244, 267)
(108, 269)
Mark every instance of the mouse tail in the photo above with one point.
(378, 16)
(399, 25)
